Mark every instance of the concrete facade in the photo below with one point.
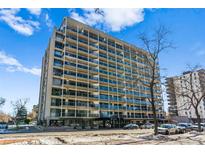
(178, 105)
(88, 76)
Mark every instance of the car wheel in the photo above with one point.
(185, 131)
(176, 131)
(167, 132)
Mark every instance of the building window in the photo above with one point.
(58, 63)
(59, 45)
(55, 102)
(70, 113)
(55, 112)
(82, 103)
(59, 36)
(58, 53)
(81, 93)
(56, 91)
(81, 113)
(57, 82)
(57, 72)
(72, 92)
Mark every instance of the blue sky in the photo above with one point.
(24, 35)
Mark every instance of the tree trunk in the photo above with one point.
(198, 120)
(155, 120)
(154, 111)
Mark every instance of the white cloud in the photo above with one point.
(110, 19)
(22, 26)
(48, 20)
(34, 11)
(76, 16)
(13, 65)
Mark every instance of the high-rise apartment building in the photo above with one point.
(178, 85)
(89, 78)
(170, 84)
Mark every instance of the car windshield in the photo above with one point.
(129, 124)
(182, 125)
(166, 126)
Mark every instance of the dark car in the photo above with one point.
(181, 129)
(3, 126)
(187, 126)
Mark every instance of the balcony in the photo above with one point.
(94, 45)
(93, 52)
(83, 49)
(94, 115)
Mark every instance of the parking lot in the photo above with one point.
(102, 137)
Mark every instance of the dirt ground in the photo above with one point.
(102, 137)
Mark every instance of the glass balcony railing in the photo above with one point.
(94, 37)
(83, 49)
(93, 69)
(104, 115)
(83, 41)
(93, 45)
(94, 61)
(72, 38)
(82, 32)
(93, 53)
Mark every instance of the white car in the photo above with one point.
(168, 129)
(131, 126)
(147, 126)
(195, 127)
(203, 125)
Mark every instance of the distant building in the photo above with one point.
(176, 102)
(5, 117)
(88, 77)
(172, 103)
(34, 114)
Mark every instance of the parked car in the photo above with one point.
(203, 125)
(3, 125)
(147, 126)
(187, 126)
(195, 127)
(3, 128)
(181, 129)
(168, 129)
(131, 126)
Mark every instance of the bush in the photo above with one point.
(27, 121)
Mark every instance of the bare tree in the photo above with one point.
(19, 110)
(99, 11)
(154, 45)
(192, 93)
(2, 101)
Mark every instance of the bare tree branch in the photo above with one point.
(154, 45)
(19, 109)
(191, 91)
(2, 101)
